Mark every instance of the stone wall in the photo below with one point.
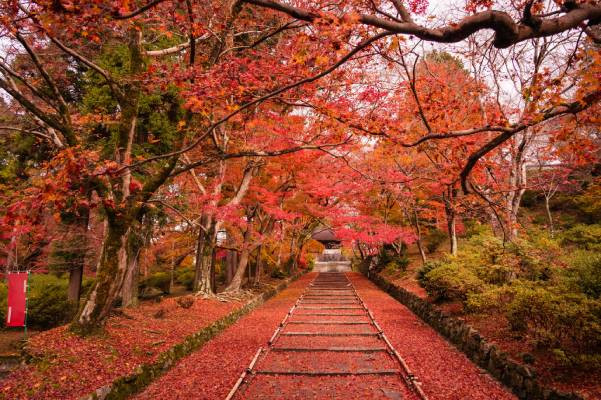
(520, 379)
(126, 386)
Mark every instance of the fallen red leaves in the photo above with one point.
(210, 372)
(70, 366)
(445, 373)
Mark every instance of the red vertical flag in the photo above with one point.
(17, 299)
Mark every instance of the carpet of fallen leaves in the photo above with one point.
(212, 371)
(69, 366)
(445, 372)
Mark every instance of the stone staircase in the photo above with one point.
(332, 260)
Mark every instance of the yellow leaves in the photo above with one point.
(321, 61)
(181, 124)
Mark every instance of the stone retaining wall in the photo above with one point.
(520, 379)
(126, 386)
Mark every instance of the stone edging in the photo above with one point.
(520, 379)
(125, 386)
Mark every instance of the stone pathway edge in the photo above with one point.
(145, 374)
(518, 378)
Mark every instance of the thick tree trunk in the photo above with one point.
(129, 290)
(75, 280)
(231, 260)
(112, 268)
(202, 273)
(236, 282)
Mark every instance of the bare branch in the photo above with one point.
(138, 11)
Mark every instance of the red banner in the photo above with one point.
(17, 299)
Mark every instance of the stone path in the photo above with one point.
(328, 346)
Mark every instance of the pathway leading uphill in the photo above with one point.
(328, 346)
(338, 337)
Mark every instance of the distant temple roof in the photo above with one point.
(325, 235)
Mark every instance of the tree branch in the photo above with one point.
(363, 44)
(507, 31)
(139, 11)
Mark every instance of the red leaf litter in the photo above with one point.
(445, 373)
(69, 366)
(212, 371)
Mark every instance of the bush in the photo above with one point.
(278, 274)
(423, 271)
(584, 236)
(47, 305)
(586, 271)
(452, 282)
(397, 264)
(556, 319)
(530, 199)
(158, 280)
(434, 239)
(185, 277)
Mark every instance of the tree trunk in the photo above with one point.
(202, 273)
(213, 274)
(129, 290)
(259, 265)
(112, 267)
(236, 282)
(451, 227)
(549, 216)
(230, 265)
(75, 279)
(418, 230)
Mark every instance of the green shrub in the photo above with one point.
(434, 239)
(452, 282)
(530, 199)
(185, 277)
(569, 321)
(397, 264)
(423, 271)
(584, 236)
(158, 280)
(589, 202)
(474, 227)
(586, 270)
(278, 274)
(47, 305)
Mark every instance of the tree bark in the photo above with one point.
(202, 273)
(259, 265)
(236, 282)
(75, 280)
(451, 225)
(112, 268)
(130, 289)
(418, 231)
(549, 216)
